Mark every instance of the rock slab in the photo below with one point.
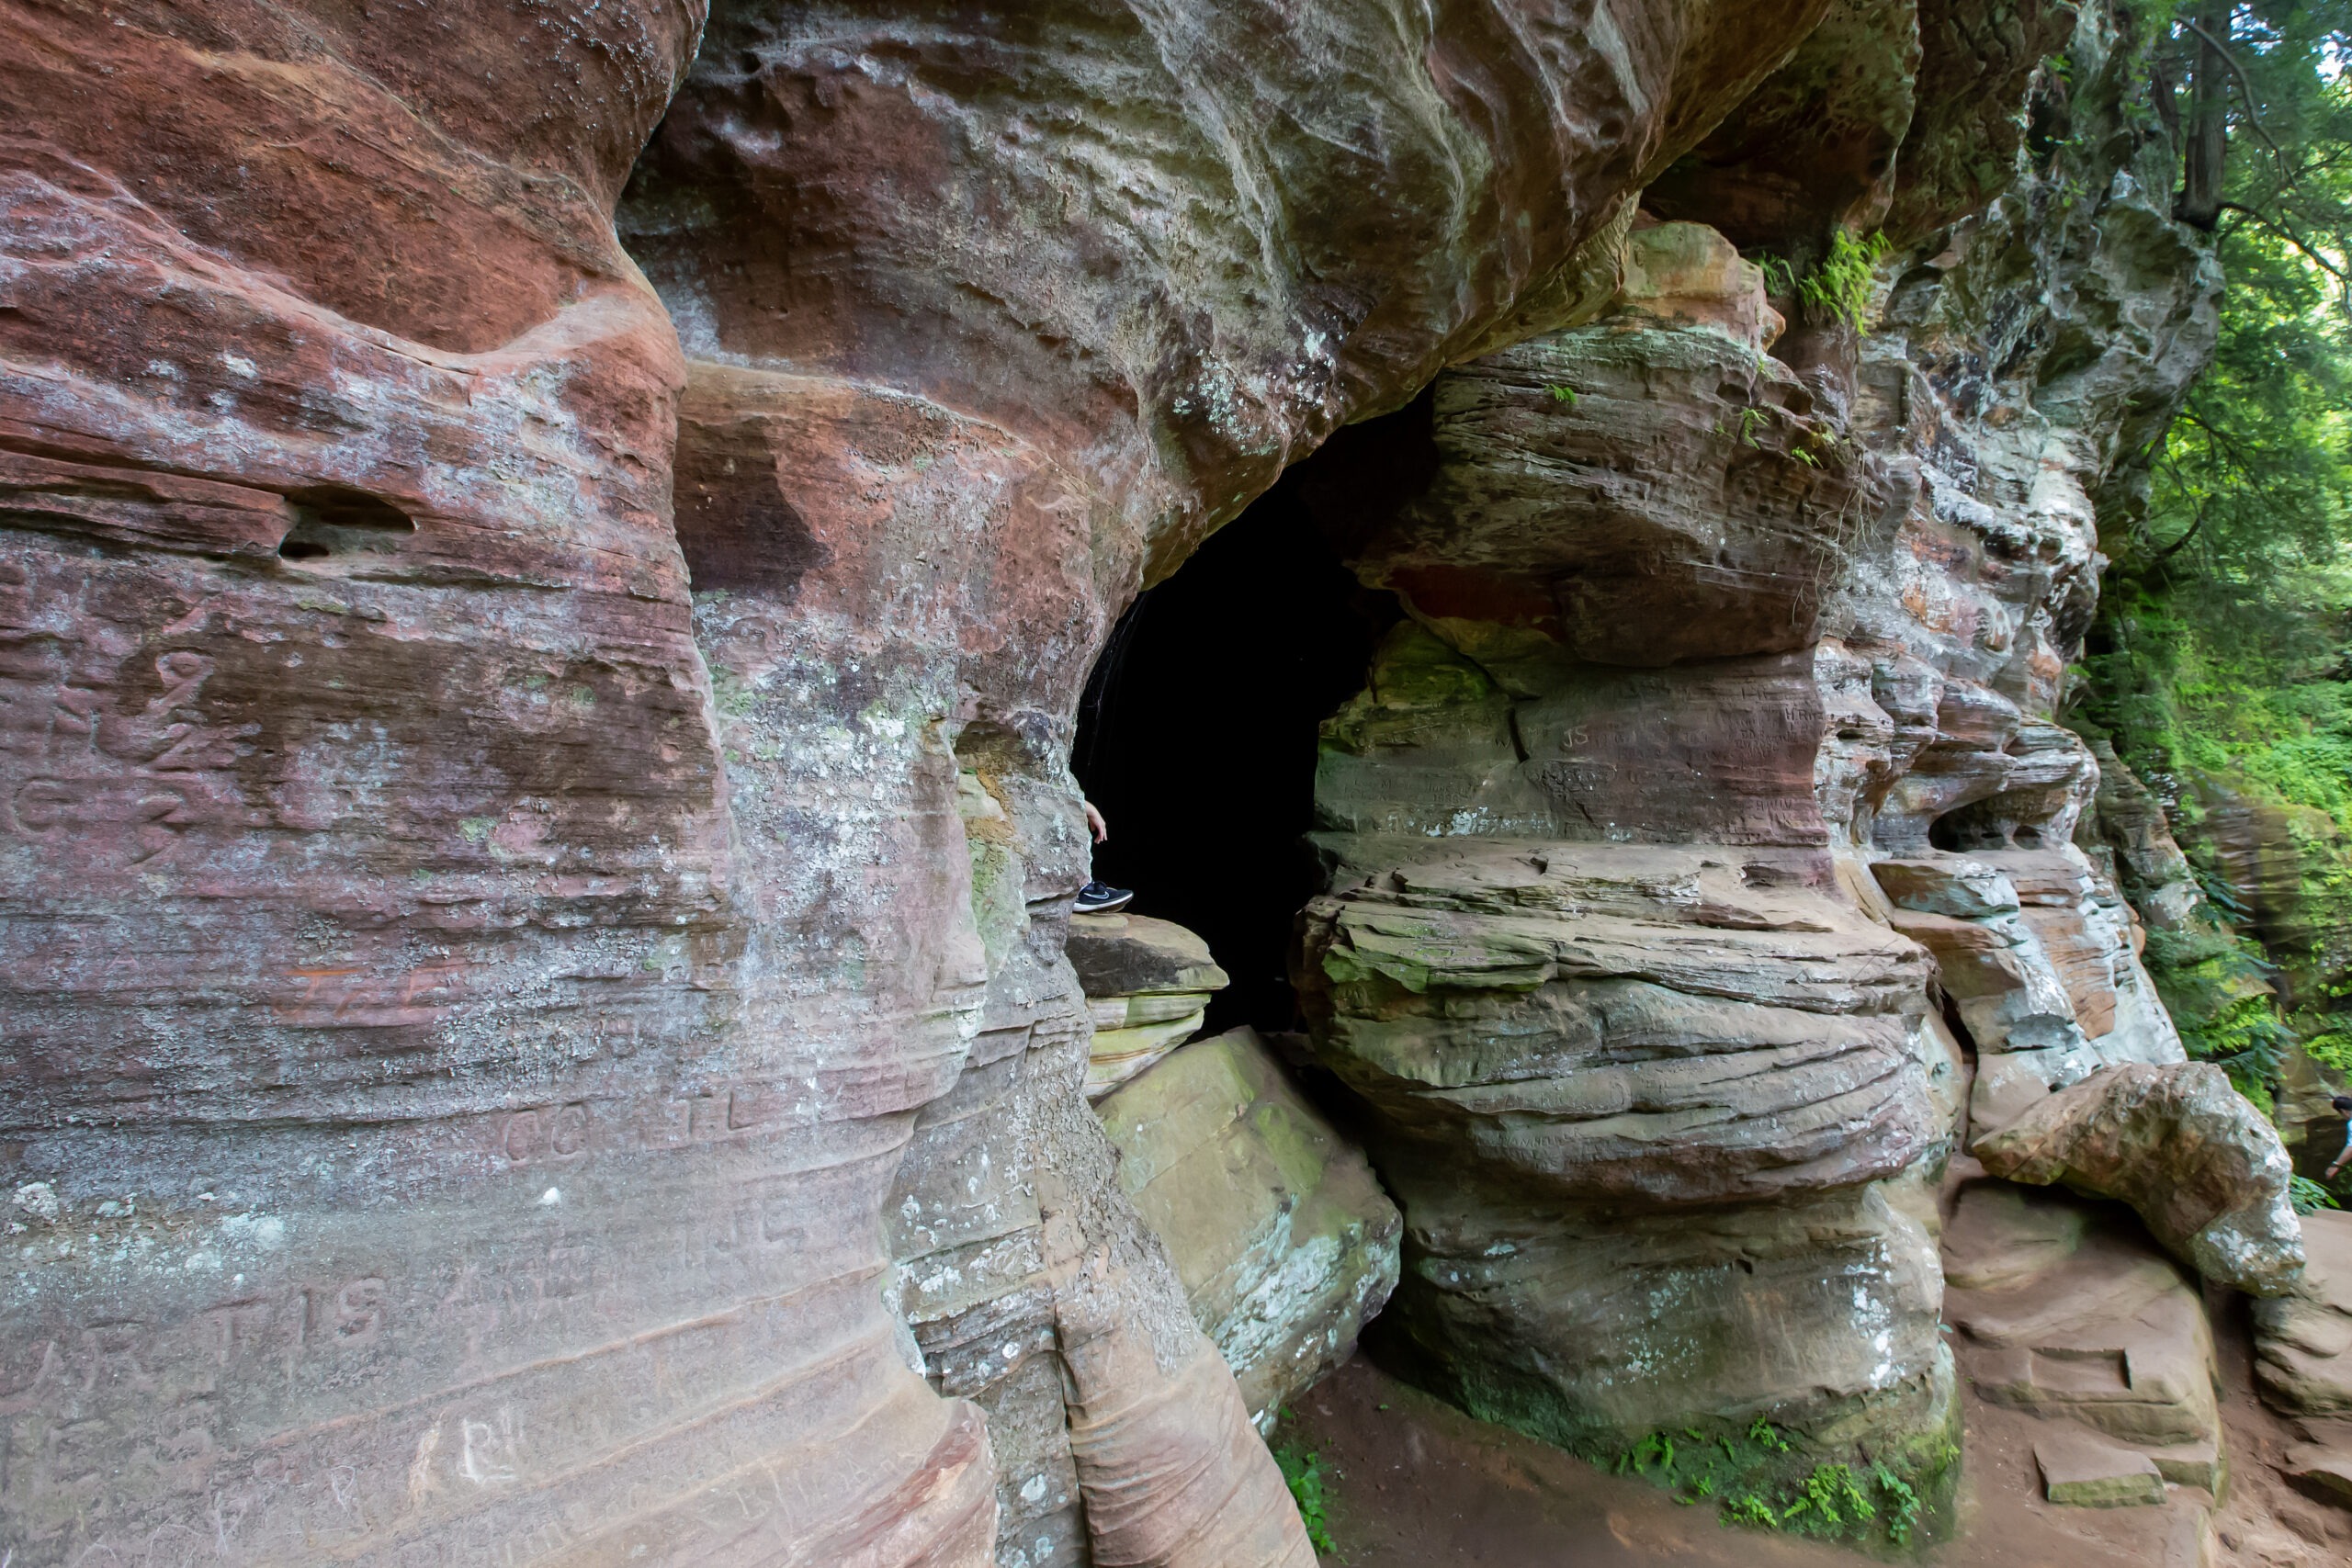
(1283, 1236)
(2090, 1472)
(1147, 984)
(2303, 1338)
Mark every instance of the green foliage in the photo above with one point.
(1901, 1502)
(1562, 394)
(1828, 1501)
(2219, 665)
(1780, 277)
(1753, 1480)
(2308, 1196)
(1303, 1472)
(1839, 288)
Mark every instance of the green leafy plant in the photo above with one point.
(1766, 1436)
(1839, 288)
(1827, 1499)
(1303, 1472)
(1750, 422)
(1562, 394)
(2308, 1196)
(1902, 1502)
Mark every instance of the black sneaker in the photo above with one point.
(1095, 898)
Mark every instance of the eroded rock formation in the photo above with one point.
(539, 833)
(2184, 1150)
(1723, 720)
(1284, 1241)
(555, 1072)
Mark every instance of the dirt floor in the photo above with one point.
(1414, 1483)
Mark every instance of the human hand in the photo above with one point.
(1094, 823)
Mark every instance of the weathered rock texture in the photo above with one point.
(556, 1071)
(2067, 1312)
(2181, 1146)
(2038, 957)
(1700, 633)
(1284, 1241)
(2303, 1337)
(991, 316)
(1147, 984)
(538, 832)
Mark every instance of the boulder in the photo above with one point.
(1637, 1102)
(2322, 1466)
(1132, 955)
(1689, 275)
(1285, 1243)
(1147, 984)
(2303, 1338)
(2180, 1145)
(1592, 1324)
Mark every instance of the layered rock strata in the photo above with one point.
(2303, 1337)
(2065, 1312)
(1633, 1060)
(1700, 634)
(562, 1071)
(991, 317)
(1284, 1238)
(2038, 957)
(1148, 984)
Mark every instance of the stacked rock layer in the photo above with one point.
(1720, 729)
(550, 558)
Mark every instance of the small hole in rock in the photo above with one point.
(333, 520)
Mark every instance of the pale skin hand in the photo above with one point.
(1094, 823)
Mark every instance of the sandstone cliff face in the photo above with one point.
(538, 828)
(1722, 723)
(558, 1072)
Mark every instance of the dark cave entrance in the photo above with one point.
(1197, 734)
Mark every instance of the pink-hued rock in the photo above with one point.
(985, 333)
(523, 1036)
(372, 974)
(535, 826)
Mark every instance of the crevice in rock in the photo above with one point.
(1197, 734)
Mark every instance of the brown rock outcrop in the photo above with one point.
(2038, 957)
(537, 863)
(2065, 1313)
(1696, 636)
(373, 985)
(992, 318)
(1147, 984)
(2303, 1337)
(2201, 1166)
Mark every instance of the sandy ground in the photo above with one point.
(1414, 1483)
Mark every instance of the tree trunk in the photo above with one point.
(2200, 189)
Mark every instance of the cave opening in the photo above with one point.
(1197, 736)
